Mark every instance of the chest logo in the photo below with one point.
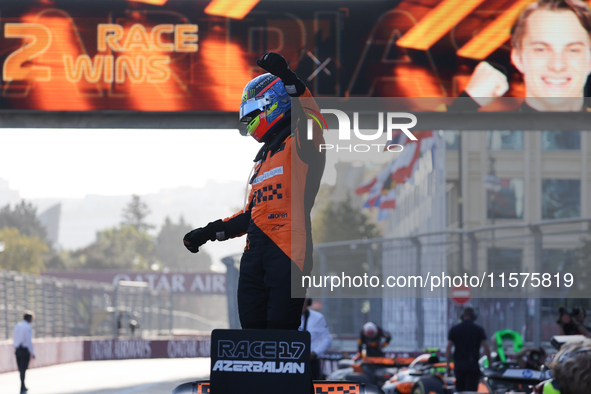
(269, 174)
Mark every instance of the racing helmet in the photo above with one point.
(265, 106)
(370, 330)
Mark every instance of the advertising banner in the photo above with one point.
(176, 55)
(176, 282)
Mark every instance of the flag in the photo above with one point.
(405, 162)
(365, 187)
(382, 188)
(408, 159)
(382, 181)
(398, 138)
(388, 201)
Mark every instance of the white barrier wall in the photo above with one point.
(48, 351)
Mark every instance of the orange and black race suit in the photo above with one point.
(374, 346)
(286, 179)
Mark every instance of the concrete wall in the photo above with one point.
(49, 351)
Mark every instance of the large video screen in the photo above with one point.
(181, 55)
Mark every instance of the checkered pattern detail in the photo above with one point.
(275, 192)
(335, 388)
(268, 193)
(319, 388)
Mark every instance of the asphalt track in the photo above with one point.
(152, 376)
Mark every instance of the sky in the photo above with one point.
(71, 163)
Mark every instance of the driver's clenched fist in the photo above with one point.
(486, 84)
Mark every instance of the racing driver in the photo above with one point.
(371, 337)
(276, 218)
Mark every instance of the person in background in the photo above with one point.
(320, 338)
(22, 340)
(573, 323)
(571, 370)
(371, 337)
(466, 339)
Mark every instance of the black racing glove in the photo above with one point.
(195, 238)
(276, 64)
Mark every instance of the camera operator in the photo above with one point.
(572, 323)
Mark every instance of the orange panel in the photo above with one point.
(226, 72)
(437, 23)
(236, 9)
(336, 388)
(56, 93)
(153, 2)
(158, 90)
(494, 35)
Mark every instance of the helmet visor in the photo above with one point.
(252, 107)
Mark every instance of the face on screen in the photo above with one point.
(555, 57)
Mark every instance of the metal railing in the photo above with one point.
(418, 319)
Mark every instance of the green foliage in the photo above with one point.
(135, 213)
(21, 252)
(24, 218)
(123, 247)
(171, 253)
(341, 221)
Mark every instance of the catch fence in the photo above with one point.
(71, 308)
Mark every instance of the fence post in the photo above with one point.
(90, 310)
(15, 313)
(115, 312)
(151, 306)
(159, 318)
(232, 274)
(375, 311)
(6, 306)
(75, 307)
(170, 310)
(142, 319)
(538, 245)
(474, 263)
(324, 290)
(63, 304)
(44, 308)
(419, 297)
(25, 295)
(54, 308)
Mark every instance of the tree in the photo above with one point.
(24, 218)
(135, 214)
(21, 252)
(123, 247)
(169, 249)
(341, 221)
